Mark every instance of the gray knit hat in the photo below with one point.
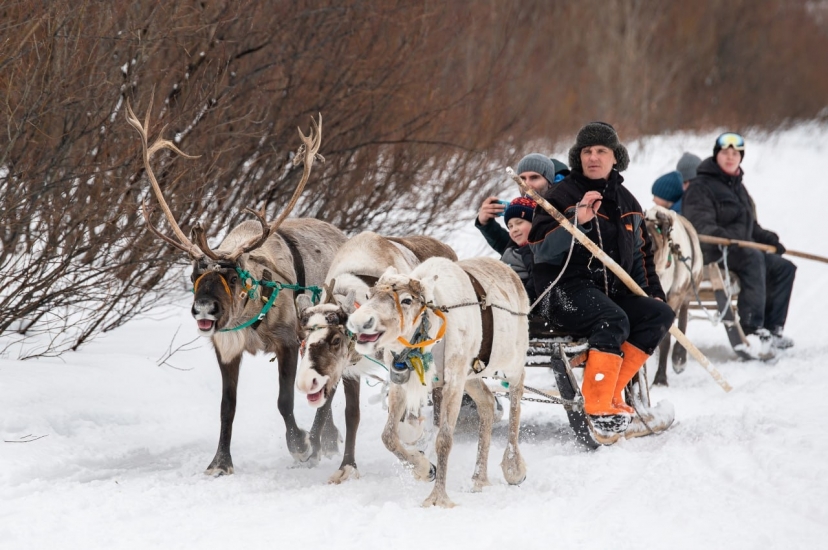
(687, 165)
(598, 133)
(535, 162)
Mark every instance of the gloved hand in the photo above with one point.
(779, 248)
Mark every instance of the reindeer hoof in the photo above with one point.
(441, 500)
(344, 474)
(301, 452)
(220, 466)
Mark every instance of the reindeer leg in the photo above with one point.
(330, 436)
(322, 418)
(298, 441)
(485, 402)
(663, 351)
(222, 463)
(679, 351)
(423, 469)
(348, 468)
(452, 397)
(514, 468)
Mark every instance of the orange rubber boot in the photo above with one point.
(600, 377)
(634, 359)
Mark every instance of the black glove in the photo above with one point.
(779, 248)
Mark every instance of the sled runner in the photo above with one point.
(716, 301)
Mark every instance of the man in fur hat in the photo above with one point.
(589, 300)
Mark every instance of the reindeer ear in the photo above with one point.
(303, 302)
(390, 271)
(347, 302)
(416, 286)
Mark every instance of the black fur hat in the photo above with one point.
(598, 133)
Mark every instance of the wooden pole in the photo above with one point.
(709, 239)
(620, 273)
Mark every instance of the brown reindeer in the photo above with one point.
(244, 294)
(678, 262)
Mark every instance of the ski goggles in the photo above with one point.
(731, 139)
(558, 177)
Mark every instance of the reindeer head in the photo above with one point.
(392, 310)
(327, 348)
(216, 279)
(659, 224)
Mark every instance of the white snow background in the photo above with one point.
(126, 441)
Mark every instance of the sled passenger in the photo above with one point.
(518, 254)
(667, 191)
(687, 166)
(538, 172)
(589, 300)
(718, 204)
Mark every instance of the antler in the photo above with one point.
(308, 152)
(148, 150)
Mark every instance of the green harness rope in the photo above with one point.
(252, 284)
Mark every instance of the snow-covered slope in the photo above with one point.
(126, 440)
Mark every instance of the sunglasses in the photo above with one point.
(731, 140)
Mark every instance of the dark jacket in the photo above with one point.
(622, 232)
(497, 237)
(520, 259)
(718, 204)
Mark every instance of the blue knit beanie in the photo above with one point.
(521, 207)
(669, 186)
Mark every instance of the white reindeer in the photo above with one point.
(678, 262)
(329, 354)
(407, 314)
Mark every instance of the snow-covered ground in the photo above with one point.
(124, 441)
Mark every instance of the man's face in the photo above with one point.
(597, 161)
(535, 181)
(729, 160)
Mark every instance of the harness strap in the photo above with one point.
(223, 281)
(487, 318)
(440, 333)
(298, 263)
(266, 292)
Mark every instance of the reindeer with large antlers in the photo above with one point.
(244, 294)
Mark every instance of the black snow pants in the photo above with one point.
(585, 311)
(766, 282)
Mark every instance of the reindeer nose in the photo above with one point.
(209, 307)
(367, 325)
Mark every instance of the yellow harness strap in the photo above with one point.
(440, 333)
(226, 287)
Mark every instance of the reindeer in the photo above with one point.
(478, 308)
(243, 293)
(678, 262)
(329, 353)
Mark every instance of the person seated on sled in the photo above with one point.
(667, 191)
(518, 255)
(687, 166)
(589, 300)
(718, 204)
(539, 173)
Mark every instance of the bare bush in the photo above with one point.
(420, 101)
